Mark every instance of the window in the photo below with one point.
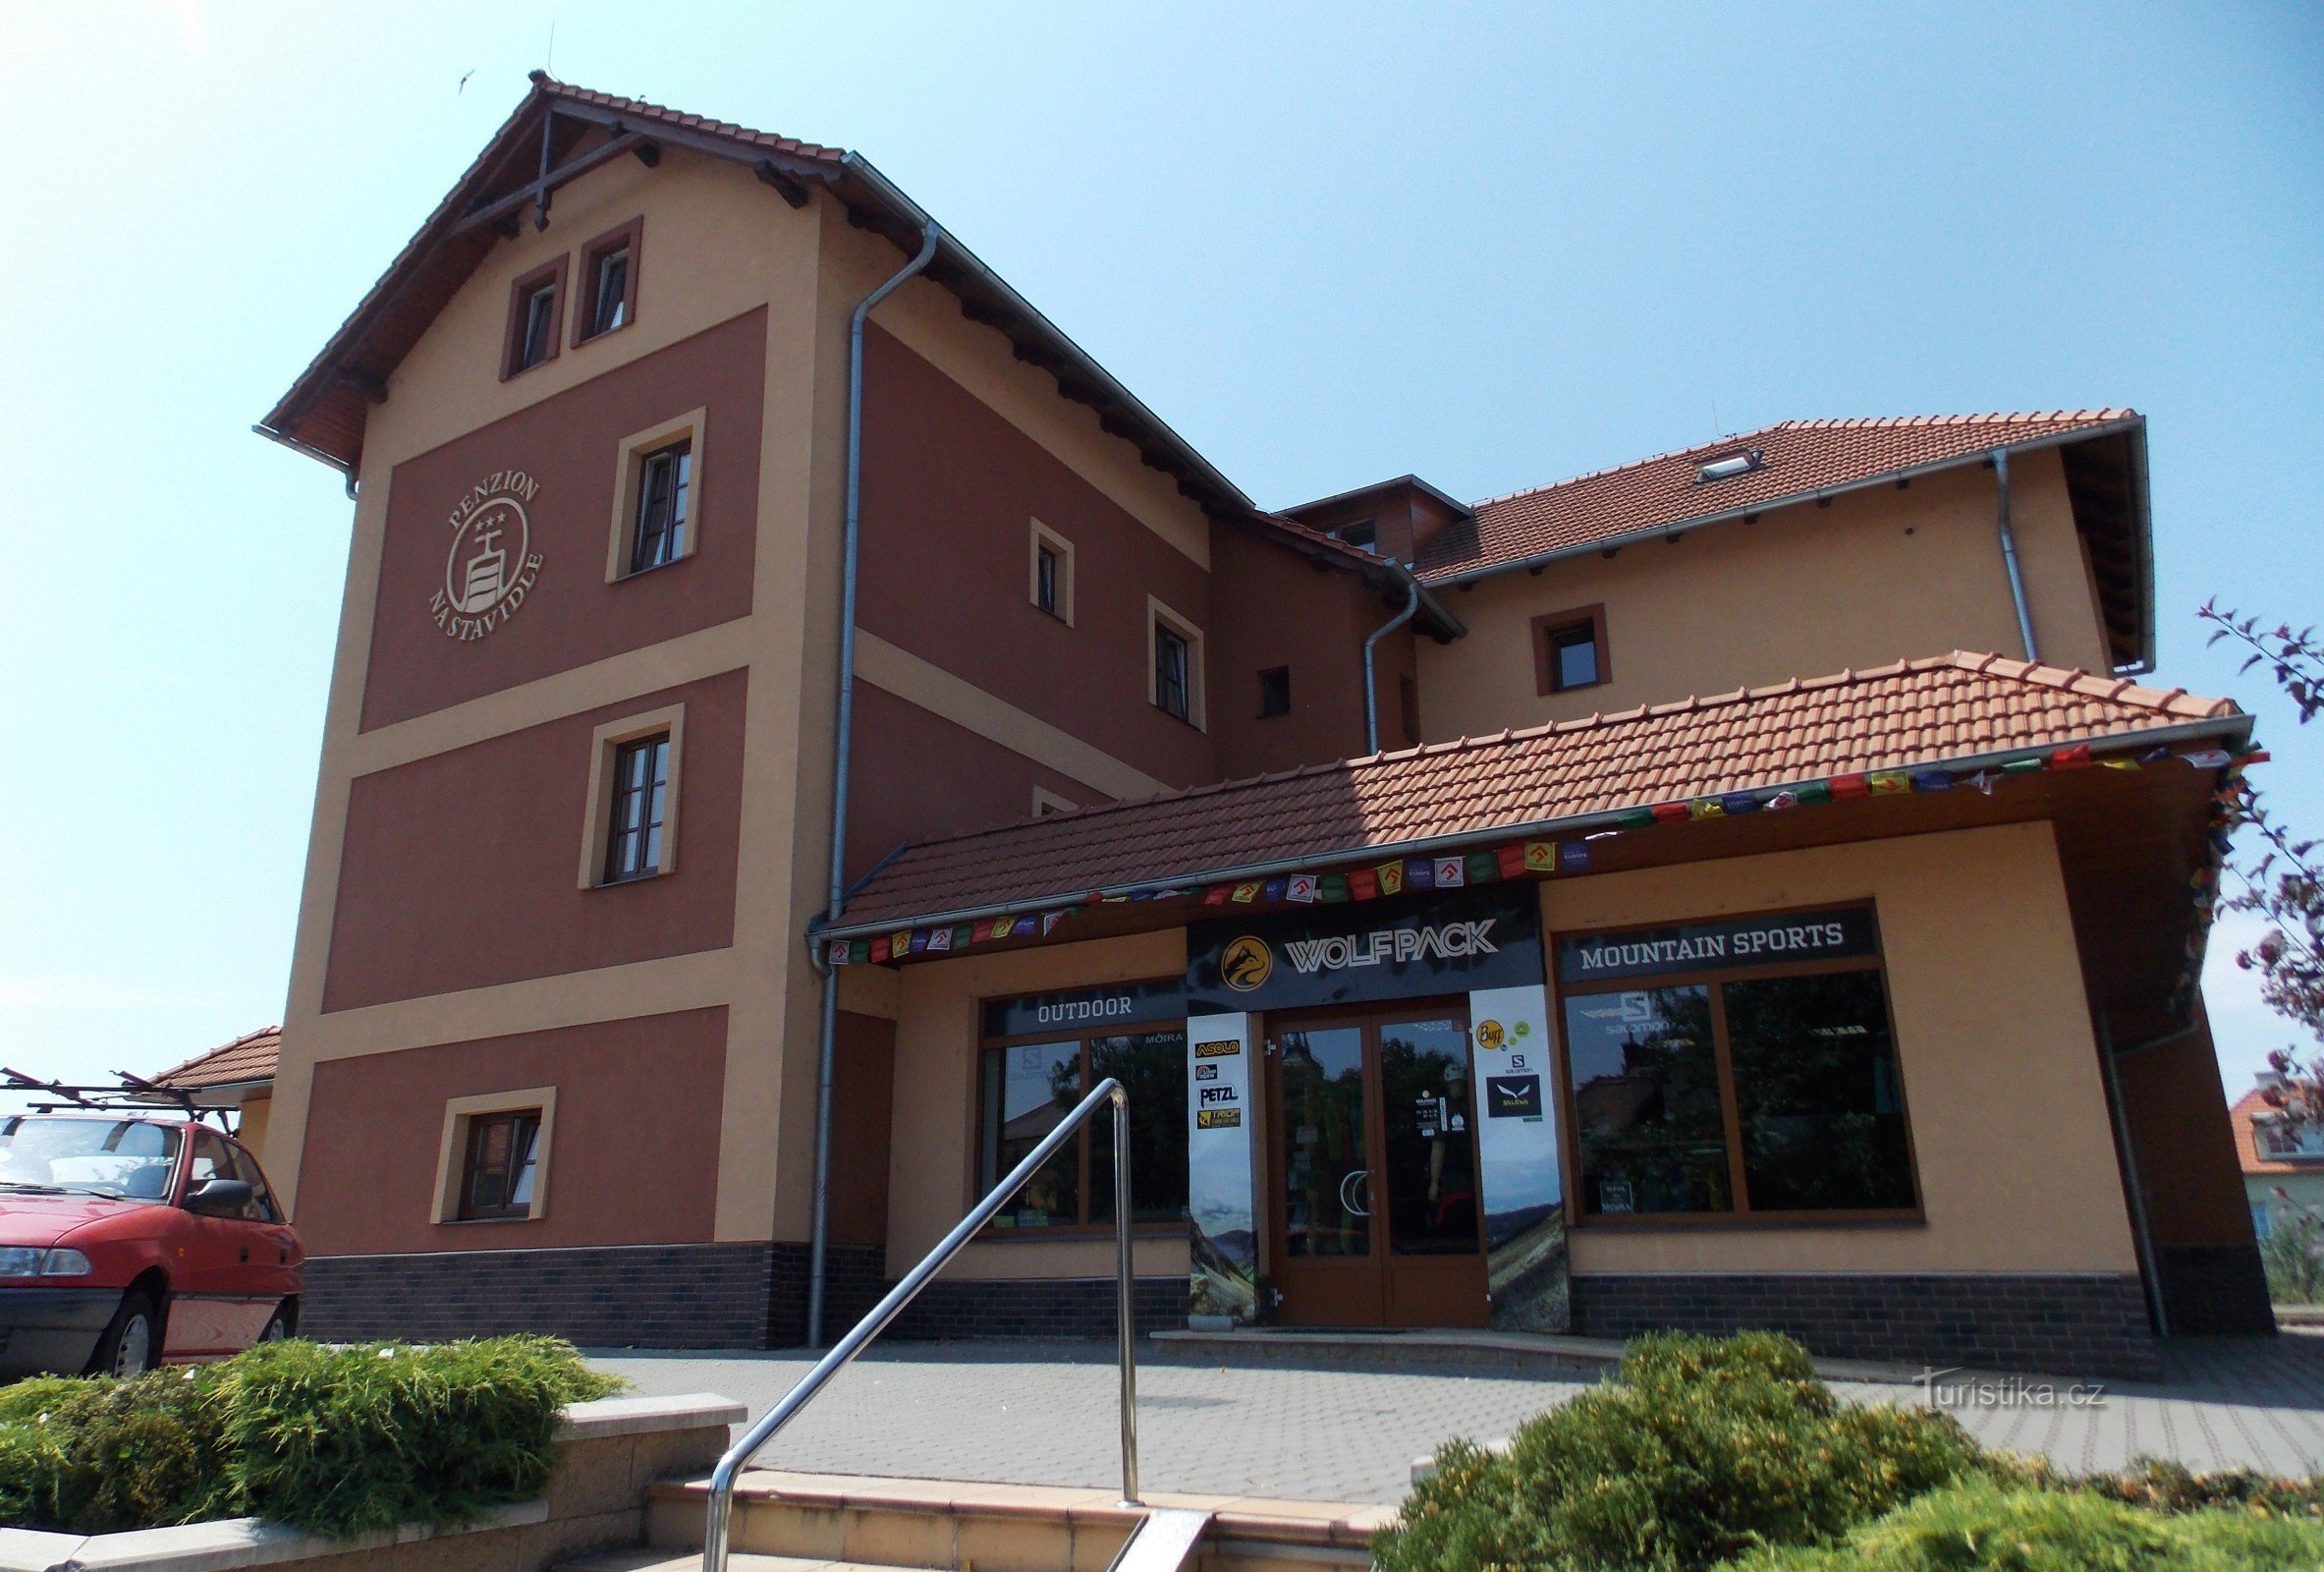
(663, 480)
(1029, 1084)
(1175, 674)
(631, 831)
(641, 788)
(498, 1170)
(1274, 692)
(261, 1208)
(1052, 573)
(1745, 1066)
(1364, 533)
(1569, 650)
(536, 303)
(609, 283)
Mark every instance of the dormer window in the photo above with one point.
(1364, 533)
(1729, 465)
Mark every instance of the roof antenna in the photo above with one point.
(1715, 432)
(548, 65)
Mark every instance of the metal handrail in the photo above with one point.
(716, 1529)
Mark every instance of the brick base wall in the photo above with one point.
(1038, 1306)
(2093, 1323)
(2214, 1290)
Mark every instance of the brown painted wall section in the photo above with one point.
(460, 870)
(571, 444)
(376, 1128)
(949, 491)
(2185, 1146)
(917, 776)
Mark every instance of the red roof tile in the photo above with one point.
(2240, 1119)
(1915, 712)
(248, 1057)
(1799, 458)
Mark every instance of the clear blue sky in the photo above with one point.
(1496, 247)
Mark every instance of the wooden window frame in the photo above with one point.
(459, 1115)
(551, 275)
(1740, 1213)
(597, 828)
(1167, 1228)
(1545, 666)
(691, 428)
(1063, 549)
(1159, 616)
(622, 236)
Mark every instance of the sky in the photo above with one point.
(1492, 246)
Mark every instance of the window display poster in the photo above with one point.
(1221, 1213)
(1518, 1176)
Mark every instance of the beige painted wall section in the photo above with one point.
(932, 1165)
(250, 1125)
(716, 243)
(1806, 591)
(2002, 1084)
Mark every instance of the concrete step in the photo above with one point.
(819, 1520)
(655, 1559)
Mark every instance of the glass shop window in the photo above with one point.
(1027, 1089)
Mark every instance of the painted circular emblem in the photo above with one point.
(1490, 1035)
(491, 565)
(1247, 964)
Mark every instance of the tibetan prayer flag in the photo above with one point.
(1024, 927)
(964, 934)
(900, 943)
(1814, 791)
(940, 939)
(999, 927)
(1420, 873)
(1363, 884)
(1741, 803)
(1247, 892)
(2075, 757)
(1449, 872)
(1217, 894)
(1985, 780)
(837, 955)
(1273, 889)
(920, 940)
(2208, 759)
(1789, 797)
(1391, 876)
(1332, 888)
(1932, 780)
(1707, 808)
(1300, 890)
(1573, 856)
(1483, 868)
(1850, 786)
(2020, 766)
(860, 953)
(1540, 857)
(2120, 763)
(1889, 782)
(879, 948)
(1635, 818)
(1050, 920)
(1513, 862)
(2155, 754)
(1669, 812)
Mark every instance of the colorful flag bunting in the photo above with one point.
(1333, 888)
(920, 940)
(1707, 808)
(2020, 766)
(1050, 920)
(1391, 875)
(1420, 873)
(860, 953)
(1889, 782)
(2075, 757)
(1217, 894)
(1363, 884)
(1848, 786)
(2208, 759)
(1789, 797)
(1741, 803)
(1636, 819)
(1985, 780)
(1669, 812)
(1272, 890)
(1247, 892)
(1449, 872)
(1540, 857)
(838, 953)
(940, 939)
(1483, 868)
(1024, 927)
(1573, 856)
(879, 949)
(1932, 780)
(1511, 862)
(1300, 890)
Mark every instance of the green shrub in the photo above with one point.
(1980, 1526)
(336, 1441)
(1697, 1451)
(2294, 1257)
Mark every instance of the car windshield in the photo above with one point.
(126, 1157)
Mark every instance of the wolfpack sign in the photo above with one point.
(1445, 941)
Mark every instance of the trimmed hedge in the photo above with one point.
(337, 1440)
(1699, 1450)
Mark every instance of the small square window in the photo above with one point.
(639, 809)
(498, 1169)
(1570, 651)
(1274, 692)
(664, 479)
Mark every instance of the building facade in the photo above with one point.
(1410, 861)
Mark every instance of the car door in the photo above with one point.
(220, 1301)
(274, 1252)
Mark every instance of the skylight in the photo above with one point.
(1730, 466)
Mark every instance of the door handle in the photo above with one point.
(1348, 1203)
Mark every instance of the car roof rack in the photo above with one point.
(133, 1094)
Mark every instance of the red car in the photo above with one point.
(127, 1239)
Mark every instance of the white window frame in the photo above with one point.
(1043, 535)
(1159, 615)
(452, 1155)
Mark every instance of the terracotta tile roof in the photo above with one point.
(2247, 1147)
(1915, 712)
(248, 1057)
(639, 109)
(1799, 458)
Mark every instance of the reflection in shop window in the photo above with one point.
(1030, 1086)
(1816, 1092)
(1646, 1078)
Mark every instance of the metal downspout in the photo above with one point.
(1372, 695)
(2141, 1230)
(2009, 551)
(818, 1240)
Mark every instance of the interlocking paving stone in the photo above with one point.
(1044, 1414)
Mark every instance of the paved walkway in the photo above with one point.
(1044, 1414)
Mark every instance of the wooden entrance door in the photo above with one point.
(1373, 1195)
